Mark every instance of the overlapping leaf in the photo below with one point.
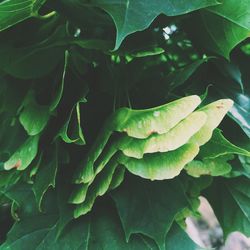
(73, 133)
(13, 139)
(237, 89)
(24, 155)
(220, 146)
(35, 227)
(15, 11)
(34, 118)
(35, 60)
(233, 194)
(41, 122)
(46, 174)
(132, 16)
(144, 207)
(101, 229)
(232, 26)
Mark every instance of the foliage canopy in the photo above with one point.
(116, 116)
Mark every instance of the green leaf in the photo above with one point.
(240, 168)
(46, 174)
(33, 117)
(36, 229)
(236, 76)
(35, 164)
(34, 60)
(96, 44)
(220, 146)
(23, 155)
(8, 178)
(12, 137)
(19, 194)
(15, 11)
(230, 200)
(161, 166)
(58, 96)
(132, 16)
(215, 167)
(99, 230)
(226, 12)
(45, 67)
(102, 230)
(232, 26)
(73, 133)
(241, 113)
(193, 188)
(245, 161)
(177, 238)
(148, 207)
(178, 77)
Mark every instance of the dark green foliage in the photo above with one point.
(109, 113)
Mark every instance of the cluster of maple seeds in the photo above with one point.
(155, 144)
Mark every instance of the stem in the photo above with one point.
(49, 15)
(128, 99)
(114, 102)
